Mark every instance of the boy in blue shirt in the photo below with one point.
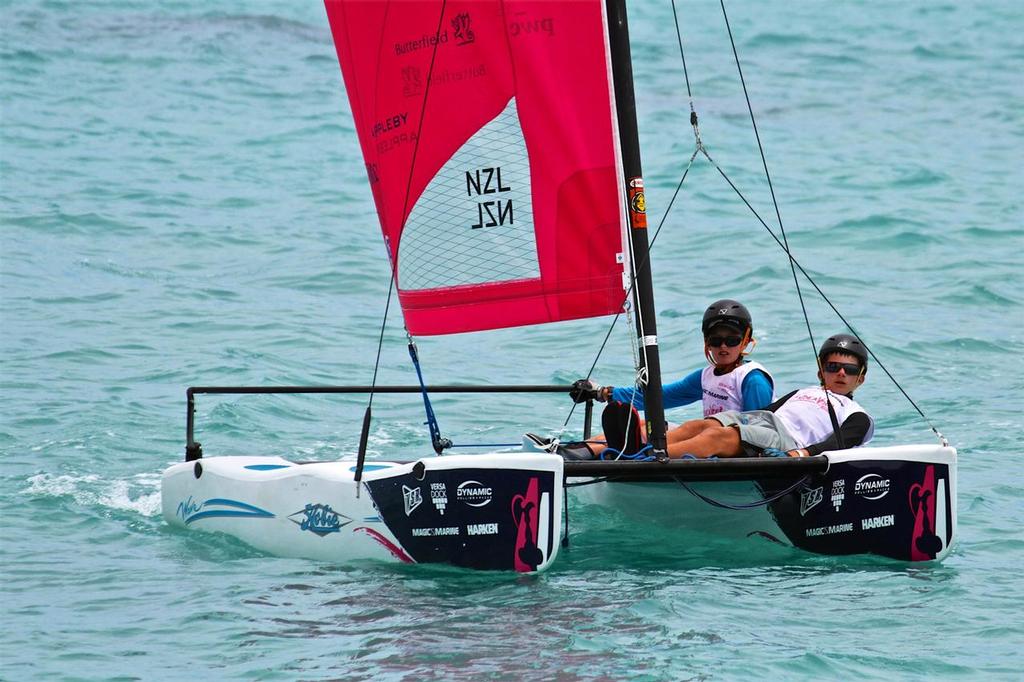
(729, 382)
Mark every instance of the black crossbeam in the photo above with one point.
(732, 469)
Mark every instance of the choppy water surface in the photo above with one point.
(184, 203)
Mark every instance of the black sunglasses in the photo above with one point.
(730, 341)
(851, 368)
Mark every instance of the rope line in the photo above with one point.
(699, 149)
(747, 505)
(485, 445)
(638, 456)
(768, 176)
(380, 342)
(827, 300)
(782, 229)
(784, 242)
(437, 441)
(629, 291)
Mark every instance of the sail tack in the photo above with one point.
(487, 129)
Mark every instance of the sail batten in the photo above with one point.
(495, 178)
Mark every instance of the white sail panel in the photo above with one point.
(474, 222)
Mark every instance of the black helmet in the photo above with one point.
(844, 343)
(728, 312)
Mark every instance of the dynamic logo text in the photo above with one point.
(871, 487)
(473, 493)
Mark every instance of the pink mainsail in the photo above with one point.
(487, 132)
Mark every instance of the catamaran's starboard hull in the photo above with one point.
(497, 512)
(898, 502)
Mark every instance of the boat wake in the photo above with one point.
(139, 494)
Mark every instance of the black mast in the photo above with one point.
(643, 290)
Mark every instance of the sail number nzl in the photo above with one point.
(494, 212)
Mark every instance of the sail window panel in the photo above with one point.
(473, 224)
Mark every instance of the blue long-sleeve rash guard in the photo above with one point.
(756, 389)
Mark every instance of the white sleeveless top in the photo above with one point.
(805, 415)
(725, 392)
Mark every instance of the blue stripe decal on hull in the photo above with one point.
(189, 511)
(226, 513)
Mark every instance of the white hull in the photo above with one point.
(487, 511)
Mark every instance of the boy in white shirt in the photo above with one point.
(799, 424)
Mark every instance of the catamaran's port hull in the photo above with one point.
(498, 512)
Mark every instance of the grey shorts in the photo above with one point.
(759, 429)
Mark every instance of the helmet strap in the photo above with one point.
(748, 340)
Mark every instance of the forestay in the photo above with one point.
(488, 132)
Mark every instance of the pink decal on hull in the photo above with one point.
(924, 544)
(397, 551)
(524, 513)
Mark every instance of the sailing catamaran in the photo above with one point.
(501, 149)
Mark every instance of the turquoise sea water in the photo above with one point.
(184, 203)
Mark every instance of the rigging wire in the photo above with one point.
(783, 243)
(438, 443)
(364, 433)
(782, 228)
(767, 175)
(827, 300)
(632, 282)
(679, 37)
(380, 342)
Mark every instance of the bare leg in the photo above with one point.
(689, 429)
(723, 441)
(596, 444)
(684, 431)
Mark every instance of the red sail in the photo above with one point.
(488, 134)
